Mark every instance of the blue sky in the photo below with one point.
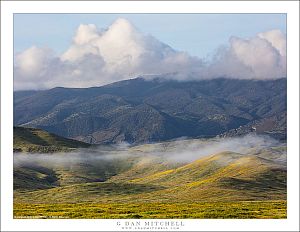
(198, 34)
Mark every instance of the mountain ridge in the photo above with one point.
(141, 111)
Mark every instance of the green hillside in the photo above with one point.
(36, 140)
(132, 182)
(221, 177)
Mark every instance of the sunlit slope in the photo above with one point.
(222, 177)
(36, 140)
(145, 166)
(212, 168)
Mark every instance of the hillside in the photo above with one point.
(152, 181)
(241, 179)
(37, 140)
(135, 175)
(141, 111)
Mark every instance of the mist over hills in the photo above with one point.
(246, 168)
(141, 111)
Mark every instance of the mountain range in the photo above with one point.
(141, 110)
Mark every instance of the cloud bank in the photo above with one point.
(180, 151)
(97, 57)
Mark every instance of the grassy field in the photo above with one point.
(243, 209)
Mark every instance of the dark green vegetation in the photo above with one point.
(139, 111)
(36, 140)
(135, 182)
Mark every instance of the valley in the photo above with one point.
(152, 148)
(241, 177)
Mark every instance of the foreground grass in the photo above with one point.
(243, 209)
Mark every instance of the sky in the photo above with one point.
(47, 53)
(198, 34)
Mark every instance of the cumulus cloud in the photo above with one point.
(125, 51)
(277, 39)
(33, 60)
(32, 65)
(97, 56)
(260, 57)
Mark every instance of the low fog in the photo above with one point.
(180, 151)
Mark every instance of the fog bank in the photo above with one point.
(181, 151)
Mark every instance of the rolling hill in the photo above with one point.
(221, 177)
(152, 181)
(130, 177)
(37, 140)
(140, 111)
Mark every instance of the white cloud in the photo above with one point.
(33, 60)
(277, 39)
(85, 33)
(125, 50)
(98, 57)
(260, 57)
(31, 66)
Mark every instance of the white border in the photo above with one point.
(10, 7)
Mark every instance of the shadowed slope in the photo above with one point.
(36, 140)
